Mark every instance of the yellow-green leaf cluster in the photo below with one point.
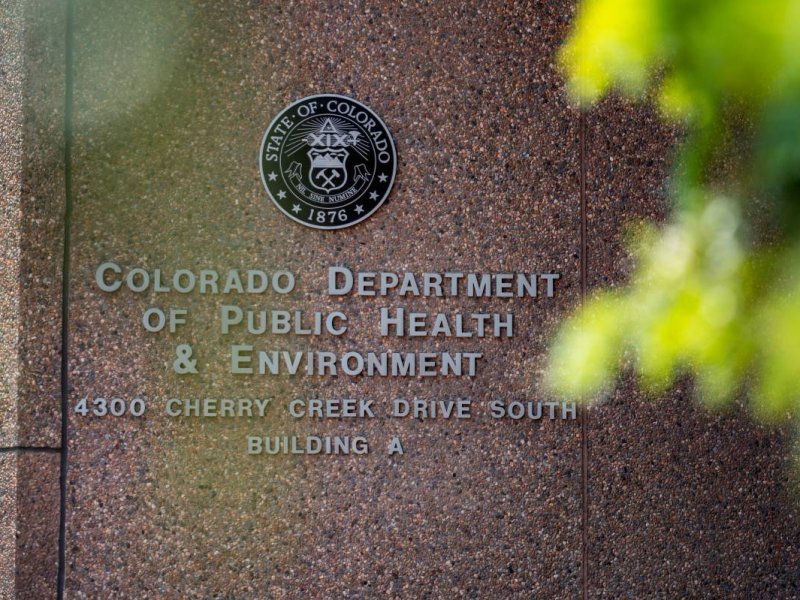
(710, 296)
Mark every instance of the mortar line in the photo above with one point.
(65, 280)
(584, 412)
(9, 449)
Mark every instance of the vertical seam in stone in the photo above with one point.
(584, 412)
(68, 105)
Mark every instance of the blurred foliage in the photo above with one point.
(713, 294)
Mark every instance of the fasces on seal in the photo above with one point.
(328, 161)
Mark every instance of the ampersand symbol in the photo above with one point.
(184, 363)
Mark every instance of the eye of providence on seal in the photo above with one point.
(327, 161)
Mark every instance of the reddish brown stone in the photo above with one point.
(171, 101)
(166, 176)
(31, 221)
(682, 503)
(29, 516)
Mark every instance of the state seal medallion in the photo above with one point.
(327, 161)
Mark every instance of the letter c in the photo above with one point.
(296, 413)
(100, 277)
(170, 410)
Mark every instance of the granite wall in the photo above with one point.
(165, 107)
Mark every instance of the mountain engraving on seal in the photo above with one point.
(330, 145)
(329, 154)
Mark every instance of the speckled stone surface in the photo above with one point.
(171, 100)
(682, 503)
(29, 511)
(166, 176)
(31, 220)
(8, 525)
(12, 106)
